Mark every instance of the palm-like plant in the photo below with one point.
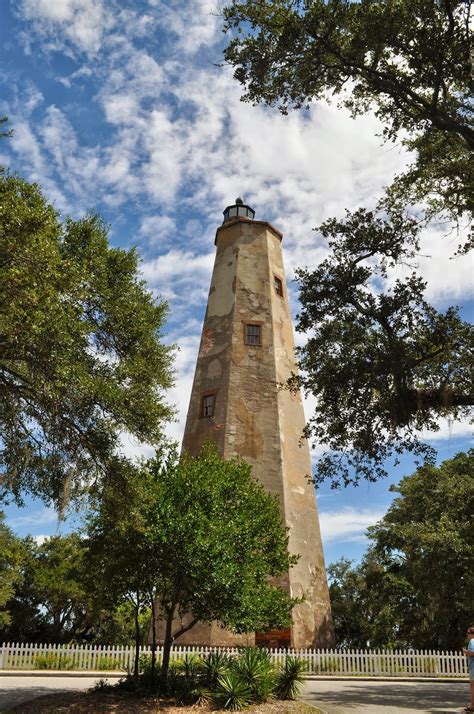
(232, 692)
(290, 678)
(190, 666)
(214, 666)
(255, 668)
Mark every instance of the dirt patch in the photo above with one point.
(124, 703)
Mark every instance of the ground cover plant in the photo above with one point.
(221, 681)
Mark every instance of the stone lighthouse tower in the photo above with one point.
(246, 354)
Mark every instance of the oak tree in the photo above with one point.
(414, 585)
(11, 556)
(81, 359)
(409, 61)
(383, 362)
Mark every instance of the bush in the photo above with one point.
(53, 660)
(231, 683)
(290, 678)
(128, 684)
(329, 664)
(101, 686)
(214, 666)
(144, 662)
(255, 668)
(107, 663)
(232, 692)
(190, 666)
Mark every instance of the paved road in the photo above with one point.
(15, 690)
(337, 697)
(356, 697)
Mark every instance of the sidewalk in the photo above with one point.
(308, 677)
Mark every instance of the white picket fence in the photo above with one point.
(383, 663)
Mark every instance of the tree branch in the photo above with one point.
(185, 628)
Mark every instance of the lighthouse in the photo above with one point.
(239, 402)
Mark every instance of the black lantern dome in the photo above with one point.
(238, 210)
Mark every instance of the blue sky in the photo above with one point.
(118, 106)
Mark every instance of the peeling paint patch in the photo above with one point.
(207, 342)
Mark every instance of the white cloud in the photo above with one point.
(132, 448)
(82, 22)
(40, 539)
(159, 230)
(348, 524)
(180, 275)
(193, 22)
(41, 517)
(449, 429)
(449, 277)
(180, 140)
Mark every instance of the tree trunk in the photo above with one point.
(153, 641)
(136, 663)
(167, 644)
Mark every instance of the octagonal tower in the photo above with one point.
(247, 350)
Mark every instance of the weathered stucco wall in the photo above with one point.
(256, 419)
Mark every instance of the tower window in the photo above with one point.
(207, 405)
(252, 333)
(278, 285)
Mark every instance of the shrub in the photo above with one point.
(214, 666)
(190, 666)
(101, 686)
(128, 684)
(329, 664)
(232, 692)
(53, 660)
(144, 663)
(107, 663)
(255, 668)
(290, 678)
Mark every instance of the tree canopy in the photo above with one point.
(381, 360)
(10, 569)
(49, 593)
(383, 363)
(199, 538)
(53, 602)
(80, 353)
(414, 585)
(408, 60)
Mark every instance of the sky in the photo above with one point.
(121, 107)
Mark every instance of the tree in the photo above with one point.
(383, 365)
(408, 60)
(53, 602)
(382, 361)
(80, 352)
(200, 538)
(414, 585)
(50, 594)
(10, 569)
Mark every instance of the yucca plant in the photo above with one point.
(203, 696)
(290, 678)
(214, 666)
(232, 692)
(190, 666)
(256, 669)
